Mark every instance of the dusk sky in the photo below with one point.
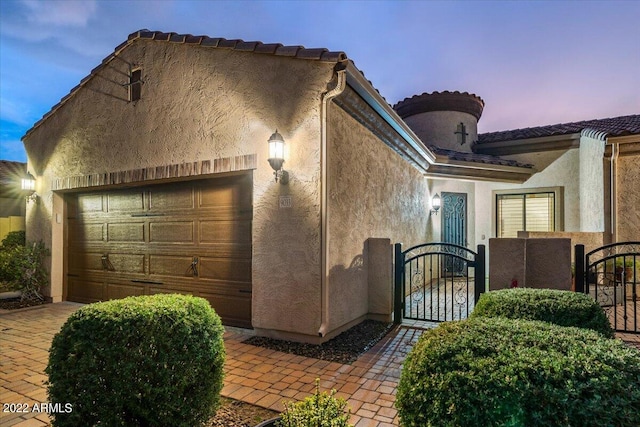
(533, 63)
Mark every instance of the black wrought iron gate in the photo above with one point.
(426, 290)
(611, 275)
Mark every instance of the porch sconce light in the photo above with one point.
(276, 157)
(436, 202)
(29, 187)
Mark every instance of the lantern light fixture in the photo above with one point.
(29, 187)
(436, 202)
(276, 157)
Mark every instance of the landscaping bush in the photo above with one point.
(14, 238)
(501, 372)
(320, 410)
(139, 361)
(21, 268)
(563, 308)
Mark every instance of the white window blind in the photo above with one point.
(524, 212)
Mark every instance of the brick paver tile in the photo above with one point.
(253, 374)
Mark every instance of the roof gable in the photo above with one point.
(276, 49)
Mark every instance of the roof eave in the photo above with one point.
(445, 167)
(357, 81)
(529, 145)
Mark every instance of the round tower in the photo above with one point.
(444, 119)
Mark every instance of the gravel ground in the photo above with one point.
(15, 303)
(233, 413)
(345, 348)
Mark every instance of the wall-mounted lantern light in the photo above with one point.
(276, 157)
(436, 202)
(29, 187)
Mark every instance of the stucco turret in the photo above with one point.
(437, 117)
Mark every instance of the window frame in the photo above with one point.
(558, 194)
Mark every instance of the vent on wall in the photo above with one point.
(135, 85)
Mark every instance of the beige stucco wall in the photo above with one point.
(590, 240)
(531, 262)
(628, 198)
(564, 172)
(372, 193)
(202, 104)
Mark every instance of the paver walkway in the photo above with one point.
(253, 374)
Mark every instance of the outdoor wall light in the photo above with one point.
(276, 157)
(29, 187)
(436, 202)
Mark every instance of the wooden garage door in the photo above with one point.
(190, 237)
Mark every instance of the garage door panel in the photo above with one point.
(126, 232)
(173, 232)
(84, 232)
(126, 263)
(144, 240)
(236, 270)
(234, 311)
(85, 290)
(227, 250)
(167, 265)
(230, 193)
(117, 291)
(85, 261)
(225, 231)
(171, 199)
(88, 203)
(130, 201)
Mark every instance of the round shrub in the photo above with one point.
(320, 410)
(140, 361)
(563, 308)
(501, 372)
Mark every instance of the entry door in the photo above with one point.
(454, 227)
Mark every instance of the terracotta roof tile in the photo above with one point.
(228, 44)
(614, 126)
(247, 46)
(193, 39)
(267, 47)
(288, 50)
(177, 38)
(163, 37)
(476, 158)
(278, 49)
(464, 102)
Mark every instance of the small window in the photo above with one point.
(135, 85)
(525, 212)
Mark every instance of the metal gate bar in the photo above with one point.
(431, 289)
(611, 275)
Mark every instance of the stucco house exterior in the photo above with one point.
(153, 176)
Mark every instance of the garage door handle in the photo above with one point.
(146, 214)
(106, 264)
(193, 268)
(148, 282)
(244, 291)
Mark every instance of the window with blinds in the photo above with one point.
(524, 212)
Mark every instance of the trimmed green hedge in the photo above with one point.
(563, 308)
(140, 361)
(500, 372)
